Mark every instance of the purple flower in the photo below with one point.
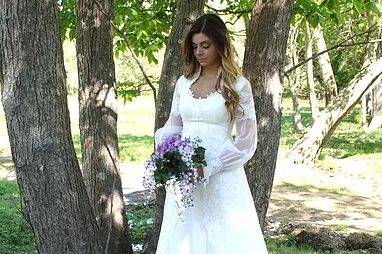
(174, 162)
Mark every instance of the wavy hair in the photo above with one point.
(215, 29)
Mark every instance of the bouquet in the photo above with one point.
(175, 162)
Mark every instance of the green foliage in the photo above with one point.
(140, 219)
(238, 9)
(127, 90)
(15, 234)
(198, 157)
(145, 24)
(319, 12)
(68, 20)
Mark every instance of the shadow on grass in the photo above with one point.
(308, 204)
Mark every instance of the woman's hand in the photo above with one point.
(200, 171)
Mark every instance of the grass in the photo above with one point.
(288, 247)
(131, 148)
(15, 234)
(313, 188)
(135, 148)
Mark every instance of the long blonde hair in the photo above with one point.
(215, 29)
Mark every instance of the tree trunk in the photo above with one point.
(187, 12)
(325, 66)
(376, 117)
(364, 111)
(306, 149)
(35, 104)
(295, 81)
(309, 74)
(98, 122)
(375, 96)
(264, 66)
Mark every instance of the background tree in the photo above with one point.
(98, 121)
(372, 100)
(325, 65)
(310, 72)
(306, 149)
(294, 80)
(263, 66)
(34, 100)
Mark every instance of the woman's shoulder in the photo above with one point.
(181, 82)
(182, 79)
(241, 83)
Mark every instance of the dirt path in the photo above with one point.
(346, 199)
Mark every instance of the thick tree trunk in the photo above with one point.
(309, 74)
(98, 122)
(325, 66)
(187, 12)
(263, 65)
(306, 149)
(34, 99)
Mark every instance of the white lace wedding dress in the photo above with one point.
(223, 218)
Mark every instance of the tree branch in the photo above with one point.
(228, 10)
(339, 46)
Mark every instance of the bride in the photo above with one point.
(207, 100)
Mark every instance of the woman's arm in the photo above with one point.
(236, 154)
(174, 124)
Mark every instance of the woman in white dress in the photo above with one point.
(207, 100)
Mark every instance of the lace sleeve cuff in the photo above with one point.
(212, 167)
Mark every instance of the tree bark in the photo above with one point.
(306, 149)
(309, 74)
(98, 122)
(187, 12)
(295, 80)
(325, 66)
(264, 67)
(35, 104)
(376, 117)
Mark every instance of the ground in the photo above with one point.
(348, 199)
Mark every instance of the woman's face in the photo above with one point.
(204, 50)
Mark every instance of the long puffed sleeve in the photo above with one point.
(174, 123)
(235, 154)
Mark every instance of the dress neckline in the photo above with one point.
(193, 80)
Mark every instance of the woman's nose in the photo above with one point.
(199, 51)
